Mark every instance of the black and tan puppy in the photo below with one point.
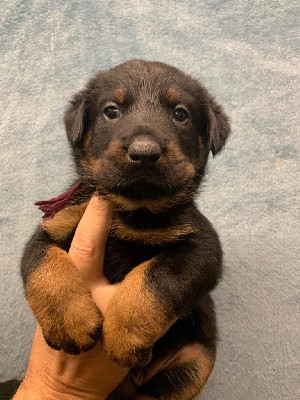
(140, 134)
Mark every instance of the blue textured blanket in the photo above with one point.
(247, 54)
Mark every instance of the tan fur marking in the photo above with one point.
(87, 142)
(176, 157)
(200, 356)
(151, 236)
(190, 170)
(95, 166)
(196, 355)
(89, 162)
(120, 95)
(134, 320)
(158, 205)
(173, 95)
(61, 301)
(115, 149)
(92, 164)
(64, 222)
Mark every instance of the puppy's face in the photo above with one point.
(141, 134)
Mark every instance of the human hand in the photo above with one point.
(53, 374)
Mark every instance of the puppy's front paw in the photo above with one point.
(66, 312)
(74, 329)
(123, 345)
(134, 321)
(126, 353)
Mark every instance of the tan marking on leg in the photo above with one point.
(135, 319)
(149, 236)
(204, 360)
(193, 357)
(64, 222)
(61, 301)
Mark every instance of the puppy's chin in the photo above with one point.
(144, 196)
(140, 191)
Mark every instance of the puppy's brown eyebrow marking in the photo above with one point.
(120, 94)
(173, 95)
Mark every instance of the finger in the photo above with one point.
(103, 293)
(88, 245)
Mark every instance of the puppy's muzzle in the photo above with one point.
(144, 151)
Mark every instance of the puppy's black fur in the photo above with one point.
(140, 134)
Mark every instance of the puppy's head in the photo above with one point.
(141, 134)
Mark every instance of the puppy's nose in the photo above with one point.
(144, 150)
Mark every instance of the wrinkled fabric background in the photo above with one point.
(247, 54)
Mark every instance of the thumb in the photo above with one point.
(88, 245)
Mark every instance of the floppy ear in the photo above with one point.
(76, 118)
(218, 127)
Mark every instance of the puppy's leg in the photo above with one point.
(54, 288)
(152, 297)
(134, 320)
(182, 377)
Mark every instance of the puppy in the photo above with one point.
(140, 134)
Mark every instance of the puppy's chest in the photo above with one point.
(139, 236)
(122, 256)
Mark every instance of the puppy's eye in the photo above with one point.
(180, 114)
(112, 112)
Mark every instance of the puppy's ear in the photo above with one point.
(218, 127)
(76, 118)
